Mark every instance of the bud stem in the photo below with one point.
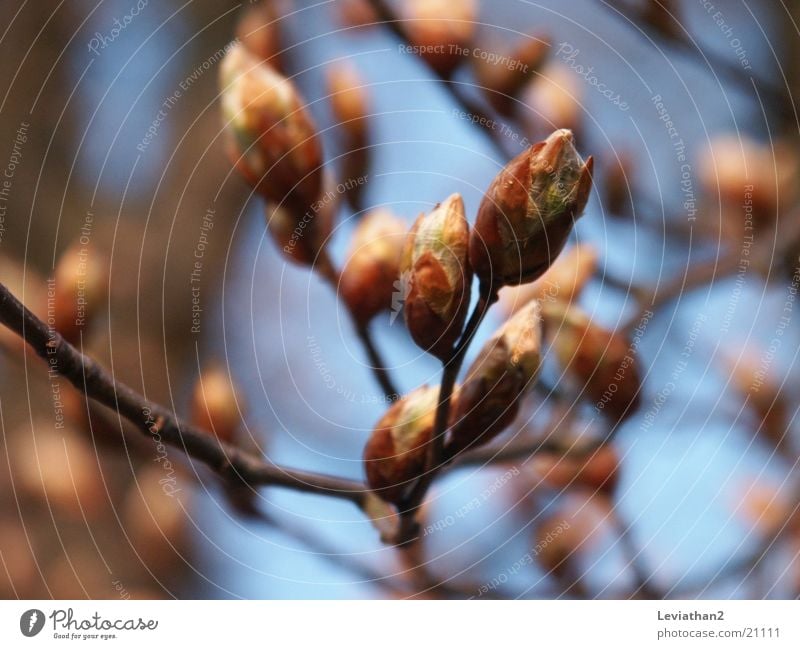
(437, 458)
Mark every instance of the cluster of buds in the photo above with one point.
(395, 455)
(441, 31)
(602, 363)
(215, 406)
(503, 372)
(369, 278)
(350, 106)
(528, 212)
(436, 275)
(271, 138)
(503, 77)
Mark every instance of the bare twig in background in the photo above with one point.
(157, 421)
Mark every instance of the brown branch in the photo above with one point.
(159, 422)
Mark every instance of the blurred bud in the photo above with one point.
(578, 526)
(349, 99)
(302, 239)
(368, 279)
(596, 471)
(350, 105)
(528, 212)
(154, 516)
(271, 137)
(617, 186)
(553, 99)
(664, 17)
(215, 405)
(437, 274)
(503, 76)
(762, 506)
(504, 370)
(739, 171)
(356, 13)
(81, 278)
(764, 396)
(395, 454)
(441, 31)
(259, 31)
(563, 281)
(18, 578)
(602, 363)
(59, 467)
(30, 288)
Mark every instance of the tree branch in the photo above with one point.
(159, 422)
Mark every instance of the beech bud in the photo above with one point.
(301, 239)
(81, 277)
(215, 406)
(441, 31)
(356, 14)
(503, 76)
(739, 169)
(595, 471)
(563, 281)
(395, 454)
(528, 212)
(271, 138)
(369, 277)
(504, 370)
(259, 31)
(350, 105)
(437, 275)
(601, 362)
(553, 99)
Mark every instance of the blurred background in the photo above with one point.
(112, 157)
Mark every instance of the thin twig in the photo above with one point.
(332, 275)
(479, 116)
(409, 527)
(158, 422)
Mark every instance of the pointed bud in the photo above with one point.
(259, 31)
(602, 363)
(215, 405)
(563, 281)
(528, 212)
(271, 137)
(81, 280)
(396, 452)
(441, 31)
(502, 77)
(504, 370)
(437, 275)
(368, 279)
